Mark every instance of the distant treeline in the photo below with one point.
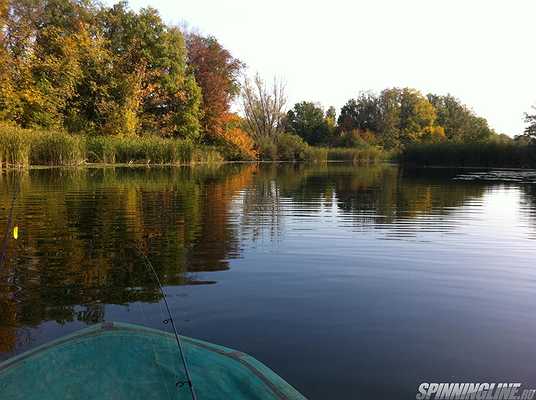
(391, 119)
(79, 68)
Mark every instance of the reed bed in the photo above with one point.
(505, 155)
(359, 155)
(25, 147)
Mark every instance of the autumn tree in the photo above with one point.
(394, 118)
(235, 139)
(263, 107)
(417, 118)
(217, 72)
(459, 121)
(40, 46)
(152, 90)
(78, 65)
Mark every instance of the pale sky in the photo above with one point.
(481, 51)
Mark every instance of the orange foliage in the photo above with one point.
(235, 136)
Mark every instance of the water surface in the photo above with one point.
(350, 282)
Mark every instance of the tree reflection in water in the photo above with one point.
(79, 227)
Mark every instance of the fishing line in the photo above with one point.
(170, 320)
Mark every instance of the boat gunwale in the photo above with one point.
(253, 365)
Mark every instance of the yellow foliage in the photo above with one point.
(434, 134)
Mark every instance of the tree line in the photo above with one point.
(83, 67)
(392, 119)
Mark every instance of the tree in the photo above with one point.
(263, 107)
(394, 118)
(306, 119)
(40, 46)
(389, 118)
(459, 121)
(72, 64)
(216, 71)
(417, 118)
(152, 90)
(530, 119)
(362, 113)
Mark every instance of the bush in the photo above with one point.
(291, 147)
(267, 149)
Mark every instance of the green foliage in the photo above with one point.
(490, 154)
(362, 113)
(401, 117)
(355, 139)
(148, 150)
(460, 122)
(308, 121)
(75, 65)
(14, 146)
(267, 148)
(24, 147)
(291, 147)
(57, 148)
(364, 155)
(530, 119)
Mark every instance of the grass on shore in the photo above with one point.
(24, 147)
(365, 155)
(505, 155)
(289, 147)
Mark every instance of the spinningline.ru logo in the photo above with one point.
(476, 391)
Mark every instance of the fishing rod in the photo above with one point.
(9, 223)
(170, 320)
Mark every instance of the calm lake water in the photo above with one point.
(350, 282)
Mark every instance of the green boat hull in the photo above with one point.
(123, 361)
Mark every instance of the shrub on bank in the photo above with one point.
(291, 147)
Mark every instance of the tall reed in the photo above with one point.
(359, 155)
(24, 147)
(148, 150)
(490, 154)
(14, 146)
